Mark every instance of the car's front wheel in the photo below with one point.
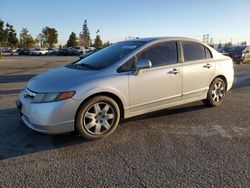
(97, 117)
(216, 93)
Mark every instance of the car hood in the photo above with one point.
(234, 53)
(60, 79)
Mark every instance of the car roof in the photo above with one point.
(151, 39)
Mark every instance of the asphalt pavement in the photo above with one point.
(186, 146)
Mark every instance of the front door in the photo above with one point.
(160, 85)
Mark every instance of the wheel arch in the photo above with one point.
(107, 94)
(221, 77)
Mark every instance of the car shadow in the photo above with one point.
(196, 106)
(16, 78)
(17, 140)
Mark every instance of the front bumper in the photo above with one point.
(51, 118)
(49, 129)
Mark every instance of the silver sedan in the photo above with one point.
(123, 80)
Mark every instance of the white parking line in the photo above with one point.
(221, 131)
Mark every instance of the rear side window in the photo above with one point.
(193, 51)
(208, 53)
(160, 54)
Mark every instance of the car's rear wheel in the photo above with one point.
(216, 93)
(97, 117)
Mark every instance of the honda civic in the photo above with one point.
(126, 79)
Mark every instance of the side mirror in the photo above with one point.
(142, 64)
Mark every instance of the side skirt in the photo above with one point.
(128, 113)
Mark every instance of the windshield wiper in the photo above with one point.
(88, 66)
(85, 66)
(82, 65)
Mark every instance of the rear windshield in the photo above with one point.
(110, 55)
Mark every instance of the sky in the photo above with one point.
(224, 20)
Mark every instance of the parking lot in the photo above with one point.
(186, 146)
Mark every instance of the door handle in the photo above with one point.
(208, 65)
(174, 71)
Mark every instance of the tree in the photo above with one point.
(219, 46)
(244, 43)
(49, 37)
(84, 38)
(12, 39)
(3, 36)
(229, 44)
(26, 40)
(106, 44)
(98, 42)
(72, 41)
(40, 40)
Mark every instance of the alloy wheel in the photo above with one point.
(218, 91)
(99, 118)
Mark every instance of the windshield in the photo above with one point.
(226, 49)
(237, 49)
(110, 55)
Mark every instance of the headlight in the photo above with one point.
(51, 97)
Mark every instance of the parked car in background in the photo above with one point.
(123, 80)
(88, 53)
(224, 50)
(14, 50)
(85, 55)
(38, 51)
(9, 51)
(237, 53)
(70, 52)
(81, 50)
(5, 51)
(246, 55)
(24, 51)
(53, 51)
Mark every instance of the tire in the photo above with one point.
(97, 118)
(216, 93)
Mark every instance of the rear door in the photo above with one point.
(246, 55)
(198, 69)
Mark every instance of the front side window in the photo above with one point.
(161, 54)
(128, 66)
(193, 51)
